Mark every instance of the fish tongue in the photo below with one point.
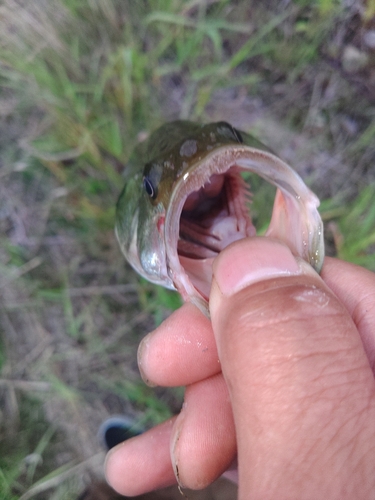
(227, 230)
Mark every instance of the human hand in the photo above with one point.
(295, 372)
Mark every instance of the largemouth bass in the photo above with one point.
(185, 200)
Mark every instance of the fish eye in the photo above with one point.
(149, 188)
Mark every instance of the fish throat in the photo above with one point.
(214, 216)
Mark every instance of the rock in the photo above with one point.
(353, 60)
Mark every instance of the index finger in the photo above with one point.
(355, 287)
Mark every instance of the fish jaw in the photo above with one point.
(295, 218)
(306, 240)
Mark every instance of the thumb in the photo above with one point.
(301, 388)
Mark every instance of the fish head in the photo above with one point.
(185, 200)
(151, 174)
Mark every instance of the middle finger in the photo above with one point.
(181, 351)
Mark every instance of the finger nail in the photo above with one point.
(175, 448)
(142, 360)
(250, 261)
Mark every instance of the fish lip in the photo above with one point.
(219, 161)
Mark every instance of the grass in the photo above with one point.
(81, 82)
(353, 229)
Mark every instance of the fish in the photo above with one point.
(185, 200)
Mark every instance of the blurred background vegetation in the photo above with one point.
(81, 82)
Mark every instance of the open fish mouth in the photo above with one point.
(214, 216)
(209, 209)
